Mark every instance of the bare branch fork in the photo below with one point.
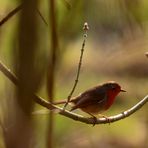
(71, 115)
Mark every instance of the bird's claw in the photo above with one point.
(94, 120)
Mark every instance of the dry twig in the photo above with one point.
(17, 9)
(85, 28)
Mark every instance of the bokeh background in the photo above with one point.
(115, 50)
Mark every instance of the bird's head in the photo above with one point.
(113, 86)
(113, 89)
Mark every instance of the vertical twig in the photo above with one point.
(85, 28)
(51, 69)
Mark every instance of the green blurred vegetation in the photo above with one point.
(115, 47)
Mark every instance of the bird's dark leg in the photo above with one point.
(94, 118)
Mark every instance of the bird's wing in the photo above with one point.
(90, 97)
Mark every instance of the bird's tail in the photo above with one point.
(72, 100)
(43, 111)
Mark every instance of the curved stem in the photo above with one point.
(74, 116)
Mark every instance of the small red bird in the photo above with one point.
(97, 99)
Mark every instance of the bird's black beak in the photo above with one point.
(122, 90)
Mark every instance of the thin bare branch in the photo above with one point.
(10, 14)
(74, 116)
(85, 28)
(67, 4)
(80, 118)
(42, 18)
(6, 71)
(17, 9)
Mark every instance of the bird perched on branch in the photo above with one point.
(97, 99)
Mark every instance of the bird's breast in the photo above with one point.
(110, 99)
